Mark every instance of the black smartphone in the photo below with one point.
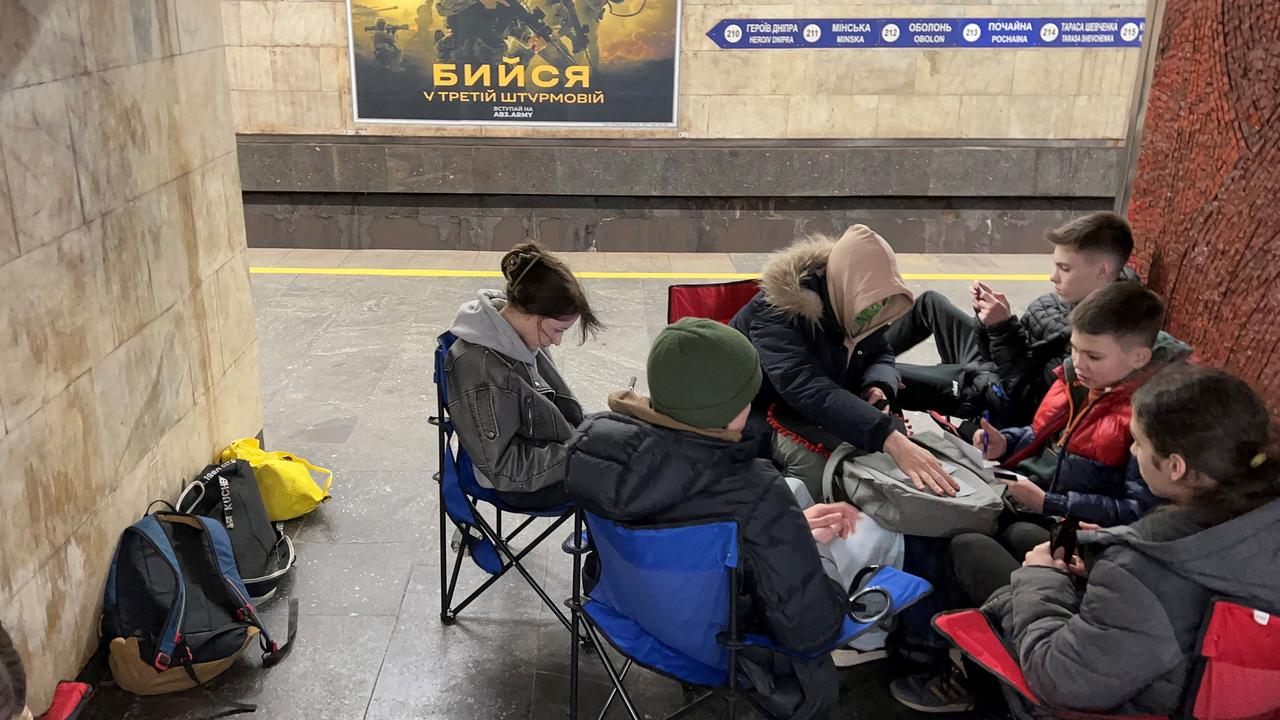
(1006, 475)
(1063, 537)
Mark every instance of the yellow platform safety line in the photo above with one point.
(593, 275)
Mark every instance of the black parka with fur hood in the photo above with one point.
(811, 364)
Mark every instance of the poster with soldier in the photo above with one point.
(563, 62)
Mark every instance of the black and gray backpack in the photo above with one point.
(228, 493)
(176, 613)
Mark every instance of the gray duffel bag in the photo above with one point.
(874, 484)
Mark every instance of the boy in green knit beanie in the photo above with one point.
(702, 373)
(680, 457)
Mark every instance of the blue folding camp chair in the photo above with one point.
(666, 599)
(460, 495)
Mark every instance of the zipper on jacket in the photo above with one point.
(1068, 430)
(1074, 424)
(1066, 440)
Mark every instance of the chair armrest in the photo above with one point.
(973, 634)
(971, 631)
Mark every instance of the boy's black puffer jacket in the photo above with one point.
(1023, 353)
(628, 470)
(807, 368)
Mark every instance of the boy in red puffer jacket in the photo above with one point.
(1075, 455)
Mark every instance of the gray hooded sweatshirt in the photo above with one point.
(512, 410)
(1127, 643)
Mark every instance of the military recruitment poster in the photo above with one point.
(564, 62)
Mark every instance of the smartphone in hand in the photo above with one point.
(1063, 537)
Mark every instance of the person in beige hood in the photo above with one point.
(818, 324)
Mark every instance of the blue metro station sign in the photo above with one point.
(748, 34)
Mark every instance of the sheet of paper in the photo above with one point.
(949, 468)
(972, 453)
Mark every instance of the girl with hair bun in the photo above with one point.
(513, 411)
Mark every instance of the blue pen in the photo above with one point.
(986, 439)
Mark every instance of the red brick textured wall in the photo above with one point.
(1206, 198)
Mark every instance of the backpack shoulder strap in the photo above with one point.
(220, 542)
(149, 527)
(233, 707)
(829, 470)
(272, 654)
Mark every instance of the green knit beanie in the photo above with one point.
(702, 373)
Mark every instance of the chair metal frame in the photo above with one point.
(492, 533)
(1015, 688)
(730, 638)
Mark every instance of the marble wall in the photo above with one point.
(127, 345)
(290, 73)
(1203, 207)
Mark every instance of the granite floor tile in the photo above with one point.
(490, 650)
(314, 258)
(509, 599)
(409, 374)
(376, 507)
(267, 287)
(702, 263)
(614, 303)
(266, 257)
(388, 259)
(654, 697)
(637, 262)
(352, 579)
(584, 261)
(342, 375)
(297, 418)
(444, 259)
(748, 262)
(488, 260)
(329, 675)
(469, 671)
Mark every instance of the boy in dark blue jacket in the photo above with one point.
(1075, 455)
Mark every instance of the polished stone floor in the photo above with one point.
(346, 372)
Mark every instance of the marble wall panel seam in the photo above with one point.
(75, 159)
(10, 209)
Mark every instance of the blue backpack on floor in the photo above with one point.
(176, 612)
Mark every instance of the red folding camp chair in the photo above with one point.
(719, 301)
(1238, 671)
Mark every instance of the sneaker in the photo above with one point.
(938, 693)
(848, 657)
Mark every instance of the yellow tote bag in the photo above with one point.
(284, 479)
